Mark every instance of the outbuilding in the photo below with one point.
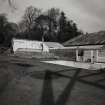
(23, 45)
(89, 47)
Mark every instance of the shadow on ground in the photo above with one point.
(47, 94)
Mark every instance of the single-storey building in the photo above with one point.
(33, 45)
(89, 47)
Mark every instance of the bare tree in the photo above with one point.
(53, 13)
(29, 17)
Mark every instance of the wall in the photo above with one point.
(65, 53)
(87, 56)
(101, 55)
(99, 58)
(30, 46)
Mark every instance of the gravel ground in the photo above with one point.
(30, 82)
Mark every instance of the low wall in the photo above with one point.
(62, 53)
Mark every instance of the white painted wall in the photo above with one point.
(98, 55)
(87, 55)
(27, 45)
(90, 55)
(101, 56)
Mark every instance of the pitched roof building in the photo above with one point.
(89, 47)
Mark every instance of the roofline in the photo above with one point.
(75, 39)
(84, 45)
(72, 39)
(25, 39)
(88, 47)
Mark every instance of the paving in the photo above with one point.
(31, 82)
(83, 65)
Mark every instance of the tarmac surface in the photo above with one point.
(32, 82)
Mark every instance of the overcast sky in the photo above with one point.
(88, 14)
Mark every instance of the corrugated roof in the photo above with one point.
(53, 45)
(97, 38)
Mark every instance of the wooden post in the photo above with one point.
(12, 46)
(77, 59)
(96, 55)
(92, 56)
(42, 38)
